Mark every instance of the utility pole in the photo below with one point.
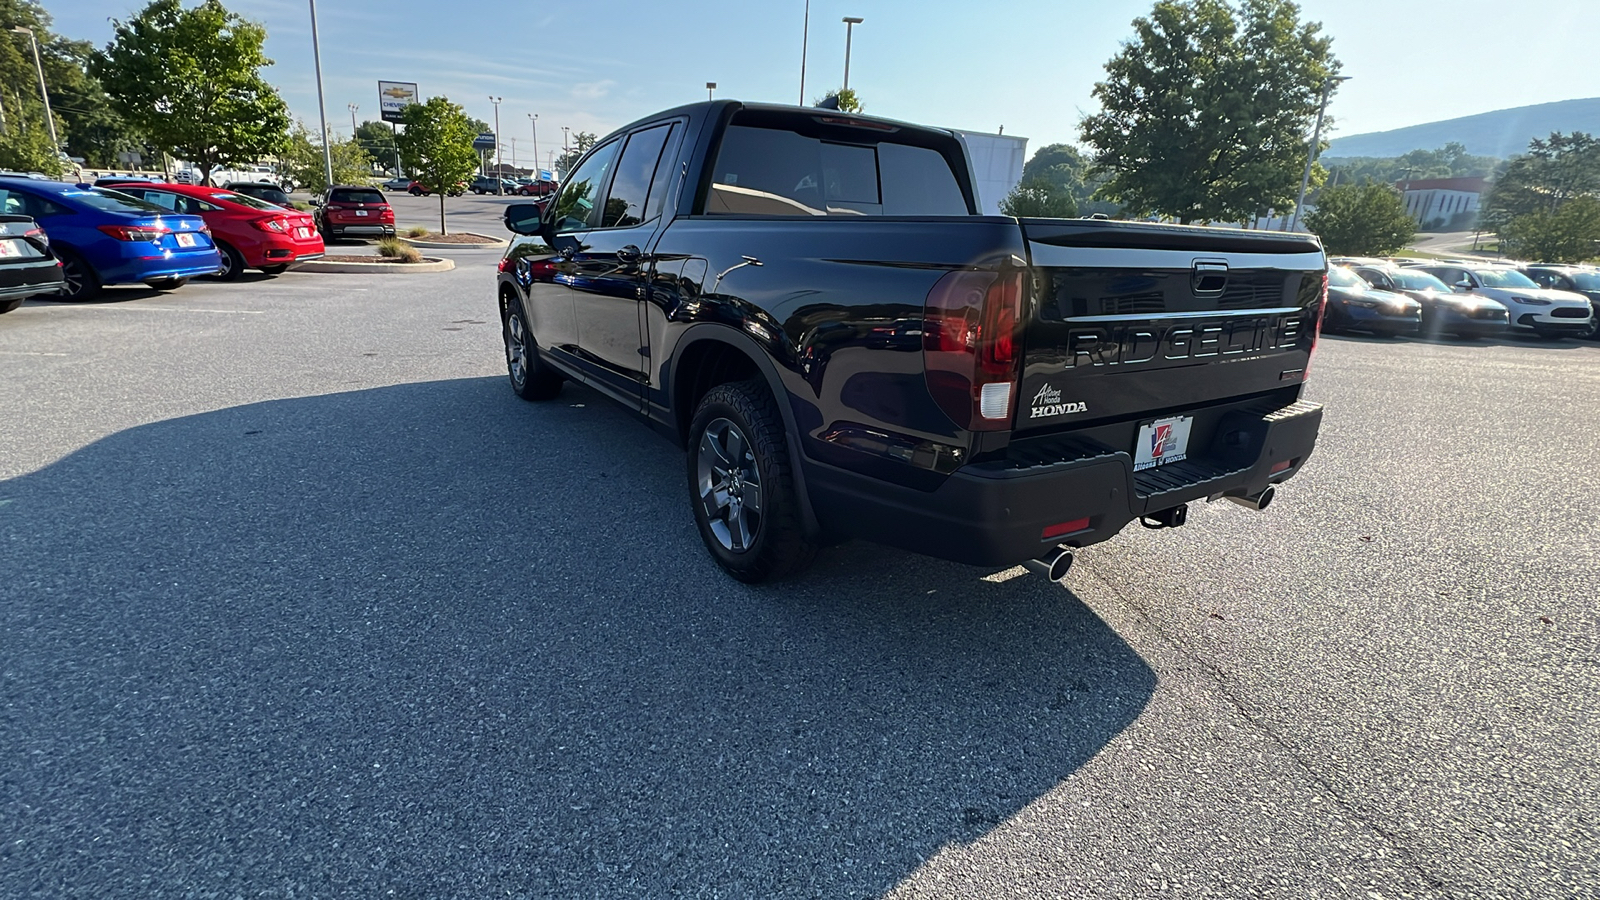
(322, 105)
(533, 119)
(353, 108)
(499, 186)
(1311, 157)
(850, 22)
(710, 86)
(805, 40)
(38, 65)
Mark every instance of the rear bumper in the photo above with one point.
(30, 279)
(995, 514)
(278, 250)
(339, 229)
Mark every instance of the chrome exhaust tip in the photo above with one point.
(1053, 565)
(1258, 501)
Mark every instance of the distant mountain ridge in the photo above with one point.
(1502, 133)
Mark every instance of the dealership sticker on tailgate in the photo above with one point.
(1162, 441)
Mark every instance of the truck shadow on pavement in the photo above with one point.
(430, 641)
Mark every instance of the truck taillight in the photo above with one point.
(970, 351)
(1316, 333)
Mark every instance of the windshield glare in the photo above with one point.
(243, 200)
(113, 201)
(1342, 277)
(1411, 280)
(1504, 278)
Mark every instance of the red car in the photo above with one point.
(418, 189)
(349, 210)
(538, 188)
(250, 233)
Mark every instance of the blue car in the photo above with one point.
(104, 237)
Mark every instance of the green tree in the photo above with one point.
(1040, 199)
(302, 160)
(1204, 115)
(378, 140)
(1553, 171)
(581, 142)
(437, 147)
(190, 81)
(1070, 171)
(849, 100)
(25, 142)
(1450, 161)
(85, 122)
(1361, 220)
(1569, 235)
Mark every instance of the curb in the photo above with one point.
(493, 243)
(428, 264)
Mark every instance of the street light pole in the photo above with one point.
(710, 86)
(499, 186)
(850, 22)
(533, 119)
(353, 108)
(49, 117)
(805, 39)
(1311, 156)
(322, 105)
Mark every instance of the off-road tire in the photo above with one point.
(778, 548)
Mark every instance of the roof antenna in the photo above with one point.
(829, 102)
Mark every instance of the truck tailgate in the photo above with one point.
(1131, 320)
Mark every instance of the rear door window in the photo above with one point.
(626, 202)
(776, 172)
(19, 203)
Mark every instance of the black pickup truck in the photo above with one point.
(809, 303)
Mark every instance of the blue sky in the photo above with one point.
(1028, 65)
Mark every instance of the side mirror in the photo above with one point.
(524, 218)
(315, 202)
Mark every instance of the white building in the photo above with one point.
(997, 161)
(1439, 202)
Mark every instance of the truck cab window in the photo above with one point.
(625, 203)
(777, 172)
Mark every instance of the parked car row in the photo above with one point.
(1465, 298)
(161, 234)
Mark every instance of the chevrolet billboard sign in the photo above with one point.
(394, 97)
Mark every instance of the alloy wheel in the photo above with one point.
(729, 484)
(516, 350)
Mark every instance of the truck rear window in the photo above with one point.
(777, 172)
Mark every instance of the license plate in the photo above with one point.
(1162, 441)
(187, 239)
(361, 212)
(302, 232)
(10, 248)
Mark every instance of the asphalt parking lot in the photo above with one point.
(299, 601)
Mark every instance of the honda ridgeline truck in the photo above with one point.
(808, 302)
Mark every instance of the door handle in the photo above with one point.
(629, 254)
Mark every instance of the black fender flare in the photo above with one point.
(702, 332)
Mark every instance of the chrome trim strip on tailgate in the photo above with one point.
(1197, 314)
(1049, 255)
